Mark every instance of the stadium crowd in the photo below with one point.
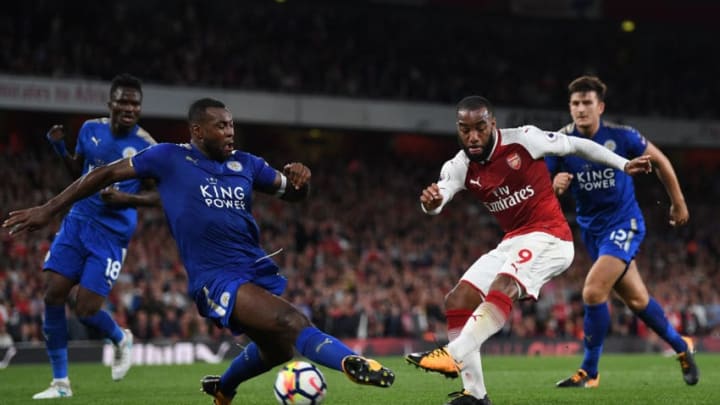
(361, 258)
(365, 49)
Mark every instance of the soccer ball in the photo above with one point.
(300, 383)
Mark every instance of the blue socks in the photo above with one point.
(595, 326)
(56, 338)
(104, 323)
(245, 366)
(654, 317)
(311, 343)
(322, 348)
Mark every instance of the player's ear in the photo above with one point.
(601, 107)
(195, 130)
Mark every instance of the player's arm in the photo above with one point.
(148, 197)
(293, 183)
(35, 218)
(452, 179)
(679, 213)
(541, 144)
(74, 163)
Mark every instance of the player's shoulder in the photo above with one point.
(520, 134)
(145, 136)
(460, 158)
(93, 123)
(567, 129)
(169, 149)
(614, 127)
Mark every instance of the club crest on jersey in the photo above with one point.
(129, 152)
(514, 161)
(234, 165)
(610, 144)
(225, 299)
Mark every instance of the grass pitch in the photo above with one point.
(625, 379)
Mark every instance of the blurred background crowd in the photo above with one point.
(361, 258)
(362, 48)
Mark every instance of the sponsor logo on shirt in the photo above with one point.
(507, 199)
(596, 179)
(219, 196)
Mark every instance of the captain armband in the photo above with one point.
(283, 185)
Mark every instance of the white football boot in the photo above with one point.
(123, 356)
(57, 389)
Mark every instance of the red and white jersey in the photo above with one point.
(514, 184)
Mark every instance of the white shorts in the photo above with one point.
(531, 259)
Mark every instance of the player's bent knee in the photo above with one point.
(593, 295)
(462, 297)
(293, 321)
(86, 310)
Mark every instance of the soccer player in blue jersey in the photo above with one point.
(91, 245)
(613, 227)
(206, 188)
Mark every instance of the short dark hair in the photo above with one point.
(472, 103)
(197, 109)
(125, 80)
(584, 84)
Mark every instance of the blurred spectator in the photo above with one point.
(355, 49)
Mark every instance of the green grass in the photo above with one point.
(626, 379)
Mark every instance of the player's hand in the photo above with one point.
(561, 182)
(431, 197)
(641, 164)
(297, 174)
(29, 220)
(111, 196)
(679, 214)
(56, 133)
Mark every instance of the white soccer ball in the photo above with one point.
(300, 383)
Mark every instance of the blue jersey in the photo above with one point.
(603, 196)
(208, 205)
(99, 146)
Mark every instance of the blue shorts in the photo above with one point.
(216, 299)
(87, 254)
(621, 240)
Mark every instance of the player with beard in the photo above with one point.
(91, 245)
(206, 188)
(505, 170)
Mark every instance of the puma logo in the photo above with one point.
(475, 182)
(327, 341)
(96, 141)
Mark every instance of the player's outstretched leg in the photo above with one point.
(211, 385)
(57, 389)
(437, 360)
(366, 371)
(123, 356)
(689, 368)
(464, 398)
(580, 379)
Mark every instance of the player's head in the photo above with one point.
(476, 127)
(125, 102)
(211, 128)
(587, 103)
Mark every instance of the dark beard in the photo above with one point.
(487, 149)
